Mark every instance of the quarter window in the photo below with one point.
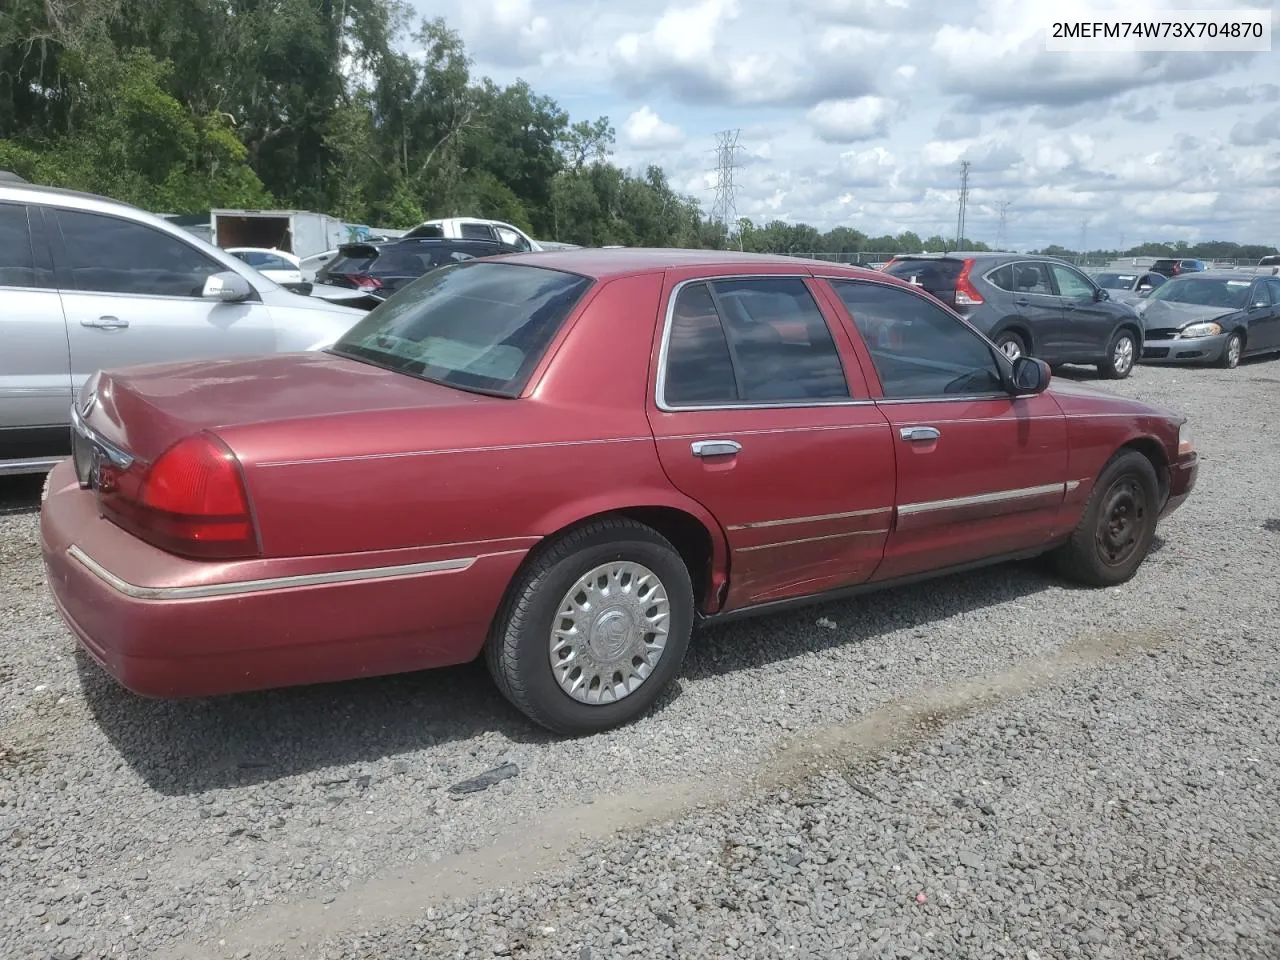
(1071, 284)
(751, 341)
(109, 255)
(17, 269)
(918, 349)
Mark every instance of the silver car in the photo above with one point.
(87, 283)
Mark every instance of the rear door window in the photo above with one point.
(1031, 277)
(476, 231)
(17, 266)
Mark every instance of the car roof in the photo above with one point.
(59, 196)
(602, 263)
(1220, 275)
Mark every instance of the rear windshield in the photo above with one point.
(479, 326)
(1163, 263)
(936, 276)
(1115, 281)
(426, 230)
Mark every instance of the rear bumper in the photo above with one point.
(1184, 350)
(167, 627)
(1182, 480)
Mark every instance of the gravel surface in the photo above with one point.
(991, 765)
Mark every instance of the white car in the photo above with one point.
(88, 283)
(474, 228)
(278, 265)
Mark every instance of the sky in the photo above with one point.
(859, 112)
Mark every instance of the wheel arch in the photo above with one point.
(1014, 324)
(1154, 451)
(696, 535)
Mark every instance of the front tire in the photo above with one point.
(1119, 522)
(1122, 353)
(594, 628)
(1231, 352)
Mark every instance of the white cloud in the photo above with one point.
(847, 121)
(859, 112)
(645, 130)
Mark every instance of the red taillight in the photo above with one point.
(967, 294)
(363, 282)
(191, 502)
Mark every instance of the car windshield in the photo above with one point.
(1204, 292)
(478, 326)
(1115, 281)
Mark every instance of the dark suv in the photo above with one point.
(1032, 305)
(380, 269)
(1177, 267)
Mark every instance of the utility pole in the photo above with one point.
(725, 208)
(964, 200)
(1084, 232)
(1000, 235)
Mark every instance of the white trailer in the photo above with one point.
(300, 232)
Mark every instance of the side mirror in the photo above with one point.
(227, 286)
(1030, 375)
(1101, 294)
(1144, 289)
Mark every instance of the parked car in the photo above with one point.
(1272, 262)
(88, 283)
(283, 268)
(1176, 267)
(474, 228)
(1128, 287)
(1212, 318)
(381, 269)
(574, 458)
(1031, 305)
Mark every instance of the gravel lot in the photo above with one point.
(992, 765)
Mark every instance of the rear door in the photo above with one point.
(35, 366)
(762, 415)
(981, 473)
(132, 295)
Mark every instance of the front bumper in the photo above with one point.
(1182, 480)
(164, 626)
(1184, 349)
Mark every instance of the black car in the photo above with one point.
(380, 269)
(1032, 305)
(1207, 317)
(1177, 267)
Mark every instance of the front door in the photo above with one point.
(1264, 315)
(981, 473)
(763, 417)
(132, 295)
(1087, 321)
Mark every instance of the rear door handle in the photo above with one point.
(1023, 302)
(715, 448)
(919, 434)
(105, 323)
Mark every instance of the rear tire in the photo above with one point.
(1011, 345)
(1117, 527)
(1122, 354)
(639, 595)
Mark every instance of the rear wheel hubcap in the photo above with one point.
(1012, 349)
(610, 632)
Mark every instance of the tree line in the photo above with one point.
(183, 105)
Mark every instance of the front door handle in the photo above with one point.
(715, 448)
(105, 323)
(919, 434)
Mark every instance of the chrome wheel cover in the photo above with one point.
(1122, 358)
(1233, 351)
(610, 632)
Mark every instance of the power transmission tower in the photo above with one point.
(725, 208)
(964, 200)
(1000, 236)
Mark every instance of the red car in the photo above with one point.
(567, 460)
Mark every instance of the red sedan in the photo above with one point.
(567, 460)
